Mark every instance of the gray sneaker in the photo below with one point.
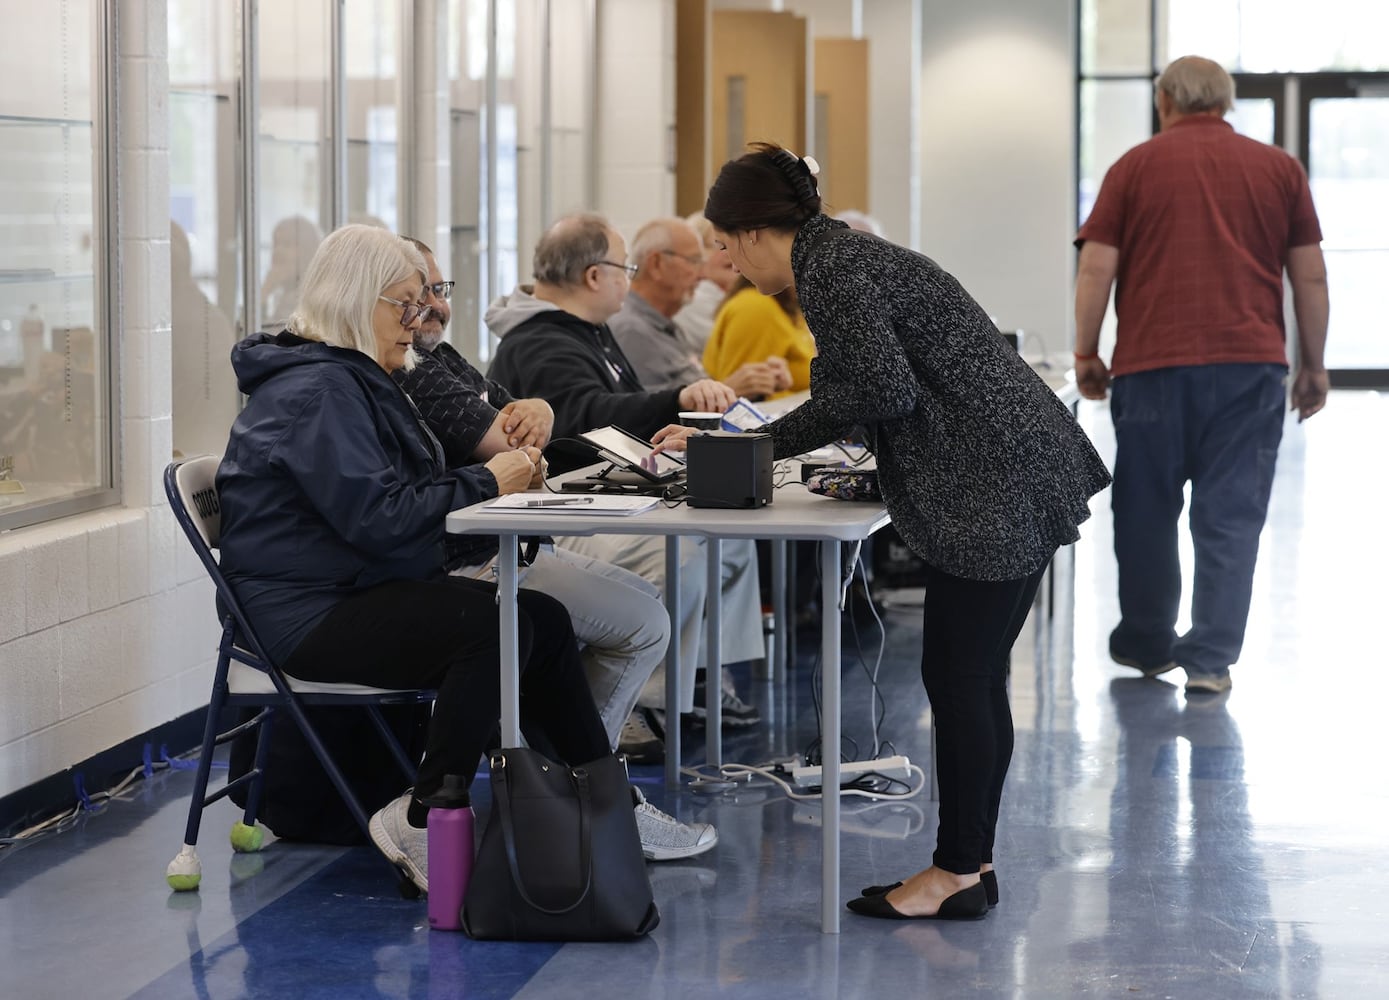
(1207, 683)
(734, 713)
(665, 838)
(405, 845)
(639, 742)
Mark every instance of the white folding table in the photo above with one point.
(794, 514)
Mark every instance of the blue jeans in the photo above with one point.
(1218, 427)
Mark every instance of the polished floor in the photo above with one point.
(1151, 845)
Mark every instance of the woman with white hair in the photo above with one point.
(333, 496)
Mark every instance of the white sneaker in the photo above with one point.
(665, 838)
(403, 844)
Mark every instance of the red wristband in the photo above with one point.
(1087, 357)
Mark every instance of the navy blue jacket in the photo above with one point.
(330, 484)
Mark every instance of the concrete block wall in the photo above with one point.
(107, 627)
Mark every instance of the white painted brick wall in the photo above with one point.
(107, 627)
(40, 587)
(29, 672)
(74, 597)
(11, 600)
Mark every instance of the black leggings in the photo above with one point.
(968, 632)
(443, 634)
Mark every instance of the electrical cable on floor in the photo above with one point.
(737, 773)
(94, 803)
(814, 749)
(871, 785)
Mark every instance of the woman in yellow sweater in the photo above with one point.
(752, 327)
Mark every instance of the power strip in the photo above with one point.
(889, 767)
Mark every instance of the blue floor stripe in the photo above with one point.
(365, 942)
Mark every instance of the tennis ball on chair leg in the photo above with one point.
(247, 839)
(185, 871)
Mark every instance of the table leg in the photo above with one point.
(779, 614)
(673, 664)
(713, 660)
(510, 649)
(829, 737)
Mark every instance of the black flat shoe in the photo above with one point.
(967, 904)
(878, 890)
(988, 879)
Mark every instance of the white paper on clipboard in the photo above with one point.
(743, 416)
(532, 503)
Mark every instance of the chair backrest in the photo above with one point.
(191, 487)
(195, 482)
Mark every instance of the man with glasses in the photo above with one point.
(669, 259)
(618, 617)
(555, 343)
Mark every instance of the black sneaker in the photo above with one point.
(1147, 669)
(735, 713)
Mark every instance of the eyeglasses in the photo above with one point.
(441, 289)
(631, 269)
(692, 261)
(409, 310)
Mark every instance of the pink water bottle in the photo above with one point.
(450, 852)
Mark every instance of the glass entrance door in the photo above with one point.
(1340, 133)
(1344, 132)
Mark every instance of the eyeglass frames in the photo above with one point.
(631, 269)
(692, 261)
(441, 289)
(408, 310)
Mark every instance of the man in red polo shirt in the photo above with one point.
(1197, 225)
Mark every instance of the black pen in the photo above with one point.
(558, 502)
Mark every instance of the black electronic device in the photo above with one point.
(723, 469)
(615, 480)
(632, 455)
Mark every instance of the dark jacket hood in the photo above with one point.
(264, 355)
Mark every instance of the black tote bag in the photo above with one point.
(560, 858)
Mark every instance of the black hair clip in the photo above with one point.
(802, 172)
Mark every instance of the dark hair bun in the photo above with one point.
(767, 187)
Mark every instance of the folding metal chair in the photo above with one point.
(246, 676)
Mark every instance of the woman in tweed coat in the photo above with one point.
(983, 469)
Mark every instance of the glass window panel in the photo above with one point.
(54, 410)
(1349, 172)
(468, 123)
(1114, 36)
(204, 247)
(1115, 116)
(1209, 28)
(373, 88)
(508, 201)
(1254, 36)
(571, 86)
(466, 263)
(294, 187)
(528, 90)
(1253, 116)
